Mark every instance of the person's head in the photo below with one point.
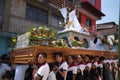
(113, 64)
(7, 76)
(107, 65)
(42, 57)
(87, 58)
(92, 59)
(96, 58)
(79, 58)
(93, 66)
(70, 59)
(59, 57)
(101, 59)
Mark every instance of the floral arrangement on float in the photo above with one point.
(42, 35)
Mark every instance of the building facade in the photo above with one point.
(17, 16)
(109, 29)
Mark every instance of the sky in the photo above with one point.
(111, 10)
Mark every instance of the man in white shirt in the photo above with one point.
(43, 70)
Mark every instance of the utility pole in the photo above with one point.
(119, 43)
(64, 3)
(77, 7)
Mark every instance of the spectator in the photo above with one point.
(3, 68)
(6, 59)
(8, 75)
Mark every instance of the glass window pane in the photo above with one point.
(36, 14)
(2, 6)
(55, 20)
(42, 16)
(30, 14)
(88, 22)
(2, 2)
(1, 21)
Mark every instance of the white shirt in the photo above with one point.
(96, 64)
(73, 69)
(3, 69)
(81, 67)
(20, 72)
(89, 65)
(51, 76)
(100, 65)
(43, 71)
(64, 66)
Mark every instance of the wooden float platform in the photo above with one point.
(25, 55)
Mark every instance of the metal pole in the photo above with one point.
(119, 43)
(64, 3)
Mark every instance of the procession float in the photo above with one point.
(73, 39)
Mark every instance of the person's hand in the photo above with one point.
(57, 68)
(35, 66)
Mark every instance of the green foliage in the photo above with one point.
(77, 43)
(31, 28)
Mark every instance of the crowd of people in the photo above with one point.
(71, 67)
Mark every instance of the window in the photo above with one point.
(92, 2)
(70, 0)
(1, 21)
(2, 4)
(56, 20)
(36, 14)
(88, 22)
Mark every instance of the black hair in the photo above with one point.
(92, 57)
(80, 56)
(87, 56)
(72, 56)
(59, 54)
(8, 74)
(5, 57)
(44, 54)
(101, 58)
